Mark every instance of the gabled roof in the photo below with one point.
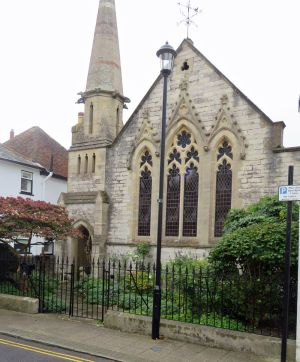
(10, 156)
(37, 146)
(190, 44)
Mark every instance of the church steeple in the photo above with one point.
(105, 66)
(103, 97)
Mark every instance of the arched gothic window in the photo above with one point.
(173, 202)
(91, 118)
(117, 120)
(182, 186)
(190, 207)
(223, 186)
(86, 163)
(93, 163)
(78, 164)
(145, 194)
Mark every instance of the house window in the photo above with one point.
(223, 186)
(182, 186)
(48, 248)
(20, 246)
(26, 182)
(145, 195)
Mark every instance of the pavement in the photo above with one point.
(90, 336)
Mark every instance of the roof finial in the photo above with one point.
(191, 13)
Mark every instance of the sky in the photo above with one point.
(46, 45)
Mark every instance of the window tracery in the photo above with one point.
(225, 149)
(184, 139)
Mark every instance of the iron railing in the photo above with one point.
(192, 295)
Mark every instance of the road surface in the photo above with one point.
(17, 350)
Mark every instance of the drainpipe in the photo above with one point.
(47, 178)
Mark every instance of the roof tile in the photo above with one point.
(36, 145)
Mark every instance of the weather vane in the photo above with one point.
(188, 14)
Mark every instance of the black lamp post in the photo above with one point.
(167, 55)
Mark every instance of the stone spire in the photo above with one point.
(105, 66)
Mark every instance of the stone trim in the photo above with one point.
(287, 149)
(164, 245)
(80, 198)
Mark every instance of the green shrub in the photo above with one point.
(251, 255)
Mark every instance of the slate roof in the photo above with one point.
(8, 155)
(36, 145)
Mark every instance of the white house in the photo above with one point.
(22, 177)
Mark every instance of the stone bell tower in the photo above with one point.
(96, 129)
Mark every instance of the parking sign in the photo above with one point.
(289, 193)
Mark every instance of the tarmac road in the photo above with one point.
(18, 350)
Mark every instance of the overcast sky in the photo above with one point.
(46, 44)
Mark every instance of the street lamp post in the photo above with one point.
(167, 55)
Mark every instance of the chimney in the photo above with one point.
(12, 134)
(277, 136)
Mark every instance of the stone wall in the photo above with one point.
(207, 336)
(204, 101)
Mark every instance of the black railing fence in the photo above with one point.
(192, 295)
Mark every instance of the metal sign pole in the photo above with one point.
(298, 302)
(287, 269)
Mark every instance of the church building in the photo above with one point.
(222, 152)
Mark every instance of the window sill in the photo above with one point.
(26, 193)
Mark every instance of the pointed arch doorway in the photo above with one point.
(83, 255)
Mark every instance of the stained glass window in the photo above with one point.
(182, 186)
(223, 195)
(190, 207)
(145, 193)
(173, 202)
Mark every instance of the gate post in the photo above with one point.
(71, 303)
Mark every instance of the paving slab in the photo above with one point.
(89, 336)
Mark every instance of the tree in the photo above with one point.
(27, 218)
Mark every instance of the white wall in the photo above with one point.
(10, 183)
